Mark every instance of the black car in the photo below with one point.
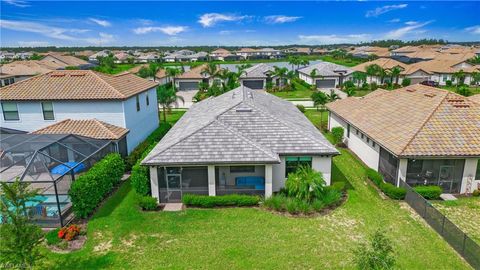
(430, 83)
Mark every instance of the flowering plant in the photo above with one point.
(69, 233)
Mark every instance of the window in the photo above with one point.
(444, 77)
(47, 108)
(293, 163)
(362, 135)
(356, 131)
(147, 99)
(242, 169)
(477, 175)
(137, 99)
(10, 111)
(348, 130)
(12, 80)
(368, 139)
(373, 144)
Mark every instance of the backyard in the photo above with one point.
(120, 236)
(465, 213)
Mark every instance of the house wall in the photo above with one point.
(31, 116)
(278, 175)
(224, 173)
(311, 81)
(140, 123)
(365, 148)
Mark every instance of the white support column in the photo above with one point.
(268, 180)
(469, 171)
(154, 182)
(211, 180)
(402, 171)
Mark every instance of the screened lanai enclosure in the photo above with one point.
(49, 163)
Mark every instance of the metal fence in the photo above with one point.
(463, 244)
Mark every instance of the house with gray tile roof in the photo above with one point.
(325, 74)
(243, 141)
(257, 77)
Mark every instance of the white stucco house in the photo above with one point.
(257, 77)
(418, 134)
(327, 75)
(124, 101)
(243, 142)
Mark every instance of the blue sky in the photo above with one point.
(75, 23)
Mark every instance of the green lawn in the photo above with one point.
(122, 237)
(348, 62)
(117, 69)
(300, 92)
(473, 90)
(465, 213)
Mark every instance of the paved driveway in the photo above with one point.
(187, 96)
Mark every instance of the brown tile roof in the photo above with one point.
(76, 85)
(91, 128)
(442, 65)
(416, 121)
(64, 60)
(29, 67)
(385, 63)
(475, 98)
(221, 51)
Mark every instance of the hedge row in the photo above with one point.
(396, 193)
(88, 190)
(153, 138)
(429, 192)
(225, 200)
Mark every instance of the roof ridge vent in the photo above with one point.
(430, 95)
(410, 90)
(57, 75)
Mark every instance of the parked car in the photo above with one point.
(430, 83)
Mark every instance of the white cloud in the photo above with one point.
(409, 29)
(168, 30)
(334, 39)
(394, 21)
(473, 29)
(276, 19)
(411, 23)
(17, 3)
(45, 30)
(103, 23)
(33, 43)
(210, 19)
(103, 39)
(381, 10)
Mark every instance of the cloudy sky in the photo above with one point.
(75, 23)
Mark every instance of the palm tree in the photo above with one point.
(320, 99)
(304, 62)
(280, 73)
(172, 73)
(395, 73)
(294, 61)
(167, 97)
(359, 77)
(332, 96)
(225, 75)
(152, 70)
(475, 78)
(211, 69)
(382, 73)
(372, 70)
(459, 77)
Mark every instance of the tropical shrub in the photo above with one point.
(429, 192)
(92, 187)
(69, 233)
(140, 175)
(476, 193)
(377, 255)
(205, 201)
(52, 237)
(448, 83)
(276, 202)
(305, 184)
(406, 82)
(147, 203)
(337, 134)
(373, 86)
(375, 176)
(301, 108)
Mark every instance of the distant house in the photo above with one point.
(122, 57)
(6, 56)
(190, 80)
(94, 57)
(298, 51)
(66, 61)
(258, 76)
(125, 101)
(419, 134)
(178, 56)
(223, 55)
(369, 51)
(263, 53)
(160, 77)
(439, 70)
(21, 70)
(241, 142)
(148, 58)
(327, 75)
(386, 64)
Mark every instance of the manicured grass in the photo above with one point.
(465, 213)
(473, 90)
(348, 62)
(174, 115)
(122, 237)
(300, 92)
(117, 69)
(314, 117)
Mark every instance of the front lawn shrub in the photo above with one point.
(393, 192)
(52, 237)
(337, 134)
(406, 82)
(301, 108)
(304, 207)
(88, 190)
(305, 184)
(140, 175)
(318, 205)
(147, 203)
(377, 254)
(476, 193)
(331, 196)
(153, 138)
(373, 86)
(375, 176)
(216, 201)
(276, 202)
(292, 206)
(69, 233)
(429, 192)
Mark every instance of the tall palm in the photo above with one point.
(475, 78)
(152, 70)
(172, 73)
(459, 77)
(320, 99)
(211, 69)
(382, 73)
(372, 70)
(395, 73)
(280, 73)
(167, 97)
(304, 62)
(332, 96)
(359, 77)
(294, 61)
(225, 75)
